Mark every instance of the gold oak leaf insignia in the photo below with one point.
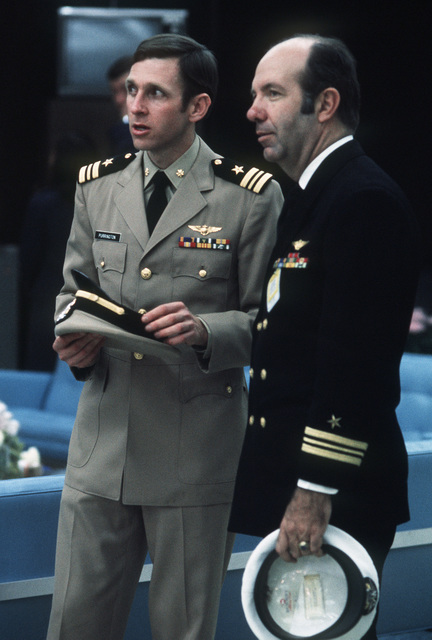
(204, 230)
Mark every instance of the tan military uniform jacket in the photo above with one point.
(150, 432)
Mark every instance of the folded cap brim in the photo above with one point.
(83, 322)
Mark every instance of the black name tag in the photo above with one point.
(107, 235)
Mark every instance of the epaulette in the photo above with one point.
(103, 168)
(250, 178)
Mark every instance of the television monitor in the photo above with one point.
(91, 39)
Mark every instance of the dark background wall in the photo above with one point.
(391, 41)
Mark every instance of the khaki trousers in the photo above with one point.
(101, 547)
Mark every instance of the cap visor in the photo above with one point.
(83, 322)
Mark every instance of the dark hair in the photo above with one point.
(198, 66)
(331, 64)
(119, 67)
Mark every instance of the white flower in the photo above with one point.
(29, 459)
(7, 422)
(12, 427)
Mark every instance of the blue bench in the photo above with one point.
(28, 522)
(45, 404)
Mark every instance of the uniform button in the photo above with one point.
(138, 356)
(202, 273)
(265, 324)
(251, 420)
(263, 374)
(251, 373)
(102, 263)
(259, 326)
(142, 311)
(229, 389)
(263, 422)
(146, 273)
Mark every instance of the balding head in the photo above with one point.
(296, 107)
(329, 63)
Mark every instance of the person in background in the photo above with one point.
(120, 140)
(155, 445)
(42, 247)
(323, 443)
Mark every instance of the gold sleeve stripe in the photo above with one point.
(334, 447)
(82, 172)
(332, 455)
(248, 176)
(332, 437)
(88, 172)
(262, 181)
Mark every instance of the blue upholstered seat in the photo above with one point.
(45, 405)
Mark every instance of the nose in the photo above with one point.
(137, 104)
(254, 113)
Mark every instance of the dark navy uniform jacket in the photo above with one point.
(325, 358)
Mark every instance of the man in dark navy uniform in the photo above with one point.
(323, 443)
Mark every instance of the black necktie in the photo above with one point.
(158, 200)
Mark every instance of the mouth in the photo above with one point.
(139, 129)
(262, 136)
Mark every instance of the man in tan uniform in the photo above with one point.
(155, 445)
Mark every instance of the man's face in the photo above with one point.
(286, 135)
(157, 119)
(118, 93)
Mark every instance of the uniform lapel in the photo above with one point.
(299, 206)
(129, 199)
(188, 200)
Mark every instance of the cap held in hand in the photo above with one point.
(93, 311)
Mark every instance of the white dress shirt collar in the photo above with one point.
(313, 166)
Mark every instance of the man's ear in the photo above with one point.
(327, 104)
(199, 106)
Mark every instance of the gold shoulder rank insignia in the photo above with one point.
(299, 244)
(250, 178)
(100, 169)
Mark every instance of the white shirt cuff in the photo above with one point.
(311, 486)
